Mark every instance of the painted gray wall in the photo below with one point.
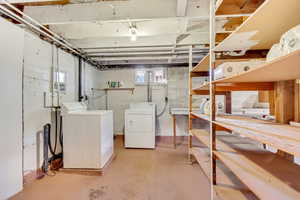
(11, 56)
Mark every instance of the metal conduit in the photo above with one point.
(36, 26)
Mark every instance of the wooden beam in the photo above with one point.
(223, 88)
(206, 92)
(229, 7)
(272, 102)
(199, 74)
(250, 54)
(255, 86)
(263, 96)
(43, 3)
(228, 102)
(297, 100)
(221, 36)
(284, 101)
(233, 23)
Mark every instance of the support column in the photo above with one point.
(212, 96)
(284, 107)
(190, 137)
(284, 101)
(297, 101)
(228, 107)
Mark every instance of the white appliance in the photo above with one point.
(140, 125)
(88, 136)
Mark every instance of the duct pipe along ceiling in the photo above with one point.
(164, 33)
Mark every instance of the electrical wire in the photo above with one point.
(56, 127)
(61, 134)
(164, 109)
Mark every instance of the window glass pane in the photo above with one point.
(159, 76)
(140, 76)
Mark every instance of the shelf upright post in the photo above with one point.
(212, 95)
(190, 137)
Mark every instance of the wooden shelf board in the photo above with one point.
(203, 65)
(119, 89)
(282, 68)
(227, 181)
(280, 136)
(206, 92)
(255, 168)
(229, 193)
(264, 27)
(204, 86)
(228, 185)
(200, 116)
(202, 135)
(202, 157)
(106, 89)
(200, 92)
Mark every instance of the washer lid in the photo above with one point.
(68, 107)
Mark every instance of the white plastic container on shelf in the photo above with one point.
(225, 70)
(274, 52)
(271, 149)
(202, 105)
(233, 68)
(290, 41)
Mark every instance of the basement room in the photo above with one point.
(150, 100)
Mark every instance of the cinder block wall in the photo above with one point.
(176, 90)
(38, 67)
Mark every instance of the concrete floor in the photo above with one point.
(135, 174)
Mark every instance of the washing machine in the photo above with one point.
(87, 136)
(140, 125)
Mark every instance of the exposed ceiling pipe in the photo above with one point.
(37, 27)
(148, 46)
(144, 50)
(181, 62)
(141, 53)
(144, 58)
(36, 22)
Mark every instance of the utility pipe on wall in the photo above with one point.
(79, 79)
(36, 26)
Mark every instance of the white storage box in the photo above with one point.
(274, 52)
(233, 68)
(271, 149)
(290, 41)
(297, 160)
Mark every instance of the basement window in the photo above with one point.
(60, 83)
(154, 76)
